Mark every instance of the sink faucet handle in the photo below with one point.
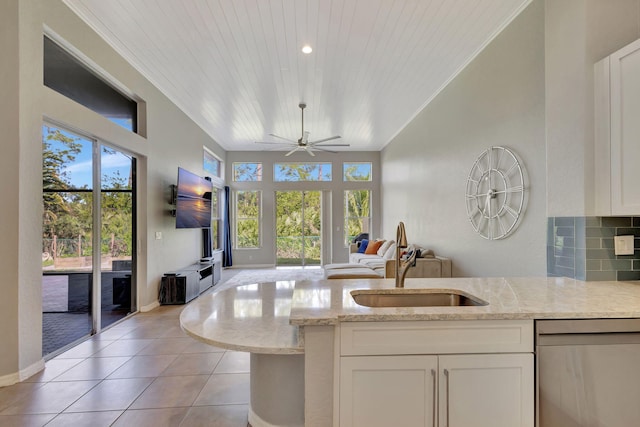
(401, 236)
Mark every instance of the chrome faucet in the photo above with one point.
(402, 267)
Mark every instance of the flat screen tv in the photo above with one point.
(193, 201)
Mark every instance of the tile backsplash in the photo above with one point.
(582, 248)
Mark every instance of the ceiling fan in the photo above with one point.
(303, 144)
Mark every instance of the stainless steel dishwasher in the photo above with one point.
(588, 373)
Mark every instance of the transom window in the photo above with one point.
(360, 171)
(211, 164)
(302, 172)
(71, 77)
(247, 172)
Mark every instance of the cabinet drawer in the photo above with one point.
(436, 337)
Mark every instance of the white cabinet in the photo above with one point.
(617, 132)
(492, 390)
(381, 386)
(383, 391)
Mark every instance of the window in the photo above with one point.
(297, 172)
(247, 172)
(356, 171)
(248, 212)
(211, 164)
(357, 213)
(71, 77)
(212, 167)
(216, 218)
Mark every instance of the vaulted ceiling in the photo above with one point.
(236, 67)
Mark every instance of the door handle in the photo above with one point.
(435, 391)
(446, 376)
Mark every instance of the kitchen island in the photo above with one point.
(309, 319)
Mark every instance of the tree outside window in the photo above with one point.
(357, 213)
(247, 172)
(248, 207)
(300, 172)
(360, 171)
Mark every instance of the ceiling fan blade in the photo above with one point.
(308, 150)
(272, 142)
(331, 145)
(292, 151)
(326, 139)
(323, 149)
(286, 139)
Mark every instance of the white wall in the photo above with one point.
(333, 224)
(497, 100)
(579, 33)
(172, 140)
(9, 179)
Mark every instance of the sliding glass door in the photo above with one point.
(117, 245)
(88, 236)
(298, 228)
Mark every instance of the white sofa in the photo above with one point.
(382, 264)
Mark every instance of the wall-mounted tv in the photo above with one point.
(193, 201)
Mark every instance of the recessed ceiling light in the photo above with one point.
(306, 49)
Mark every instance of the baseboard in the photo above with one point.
(149, 307)
(256, 421)
(251, 266)
(22, 375)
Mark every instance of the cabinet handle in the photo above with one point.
(435, 391)
(446, 375)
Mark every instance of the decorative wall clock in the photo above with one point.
(495, 193)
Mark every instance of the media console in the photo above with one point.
(181, 286)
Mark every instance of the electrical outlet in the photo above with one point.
(623, 245)
(158, 235)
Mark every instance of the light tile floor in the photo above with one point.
(144, 371)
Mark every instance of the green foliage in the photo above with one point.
(248, 233)
(53, 175)
(68, 213)
(357, 213)
(355, 172)
(244, 172)
(298, 224)
(296, 172)
(247, 219)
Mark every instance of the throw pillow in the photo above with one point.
(426, 253)
(363, 246)
(372, 247)
(384, 247)
(390, 253)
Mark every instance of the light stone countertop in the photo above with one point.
(330, 302)
(253, 318)
(265, 318)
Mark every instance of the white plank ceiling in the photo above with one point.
(236, 67)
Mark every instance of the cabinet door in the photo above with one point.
(486, 390)
(383, 391)
(625, 130)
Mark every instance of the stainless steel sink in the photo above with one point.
(415, 298)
